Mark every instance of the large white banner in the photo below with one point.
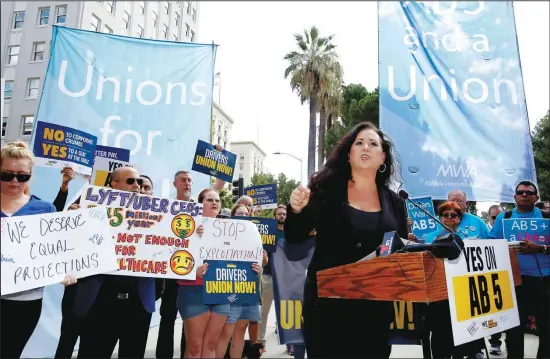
(40, 250)
(481, 290)
(154, 236)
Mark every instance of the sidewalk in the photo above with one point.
(274, 350)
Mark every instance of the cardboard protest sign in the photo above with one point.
(112, 153)
(153, 235)
(230, 282)
(536, 230)
(481, 290)
(212, 162)
(267, 227)
(422, 224)
(59, 146)
(229, 239)
(39, 250)
(264, 195)
(103, 167)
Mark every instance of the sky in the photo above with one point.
(254, 36)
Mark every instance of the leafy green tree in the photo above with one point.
(309, 69)
(358, 105)
(541, 149)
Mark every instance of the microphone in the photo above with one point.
(446, 245)
(403, 194)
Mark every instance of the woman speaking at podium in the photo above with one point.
(351, 206)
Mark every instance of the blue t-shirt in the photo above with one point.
(527, 262)
(470, 226)
(34, 206)
(431, 237)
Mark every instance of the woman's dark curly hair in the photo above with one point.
(336, 172)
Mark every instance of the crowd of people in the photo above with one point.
(348, 205)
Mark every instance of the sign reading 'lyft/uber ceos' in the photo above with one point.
(452, 98)
(113, 87)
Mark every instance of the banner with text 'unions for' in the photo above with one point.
(151, 97)
(452, 98)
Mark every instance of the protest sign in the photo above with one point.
(39, 250)
(153, 235)
(264, 195)
(289, 266)
(404, 328)
(113, 153)
(422, 224)
(212, 162)
(536, 230)
(59, 146)
(230, 282)
(267, 227)
(229, 239)
(103, 167)
(482, 296)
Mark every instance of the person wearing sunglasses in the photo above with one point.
(533, 294)
(450, 214)
(21, 311)
(494, 211)
(106, 301)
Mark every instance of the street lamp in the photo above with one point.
(296, 158)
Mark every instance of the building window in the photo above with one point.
(107, 29)
(60, 14)
(32, 88)
(8, 89)
(18, 19)
(143, 7)
(95, 24)
(140, 31)
(126, 18)
(110, 6)
(28, 122)
(4, 125)
(13, 55)
(194, 15)
(189, 8)
(38, 51)
(187, 28)
(177, 19)
(165, 31)
(192, 36)
(43, 16)
(167, 7)
(155, 18)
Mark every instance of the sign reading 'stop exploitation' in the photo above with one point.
(59, 146)
(263, 195)
(482, 296)
(155, 237)
(210, 161)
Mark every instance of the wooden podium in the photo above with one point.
(412, 277)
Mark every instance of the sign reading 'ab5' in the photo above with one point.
(481, 290)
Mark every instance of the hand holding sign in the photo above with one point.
(68, 174)
(299, 198)
(530, 247)
(201, 270)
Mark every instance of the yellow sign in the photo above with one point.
(102, 178)
(400, 309)
(482, 294)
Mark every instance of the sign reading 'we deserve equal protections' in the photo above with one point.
(154, 236)
(40, 250)
(482, 297)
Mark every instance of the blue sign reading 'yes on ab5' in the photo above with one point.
(267, 227)
(536, 230)
(230, 282)
(422, 224)
(210, 161)
(264, 195)
(60, 146)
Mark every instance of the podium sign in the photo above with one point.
(481, 291)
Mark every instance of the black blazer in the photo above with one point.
(338, 242)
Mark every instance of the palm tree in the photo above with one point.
(329, 101)
(308, 67)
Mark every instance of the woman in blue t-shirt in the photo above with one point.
(450, 214)
(20, 311)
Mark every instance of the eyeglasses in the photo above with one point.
(527, 193)
(449, 215)
(8, 177)
(130, 181)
